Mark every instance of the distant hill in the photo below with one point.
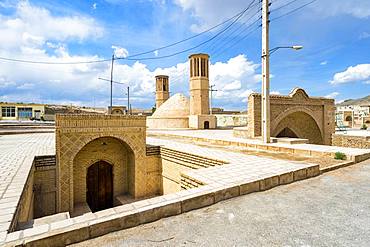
(362, 101)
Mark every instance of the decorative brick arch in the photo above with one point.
(115, 152)
(73, 132)
(321, 111)
(289, 111)
(302, 124)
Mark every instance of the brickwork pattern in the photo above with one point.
(73, 132)
(351, 141)
(289, 112)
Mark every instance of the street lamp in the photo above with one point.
(265, 130)
(294, 47)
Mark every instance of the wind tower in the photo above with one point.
(162, 90)
(199, 93)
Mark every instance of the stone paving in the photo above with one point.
(239, 166)
(227, 135)
(328, 210)
(241, 175)
(16, 156)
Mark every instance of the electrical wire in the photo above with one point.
(53, 63)
(284, 5)
(138, 54)
(294, 10)
(236, 36)
(223, 42)
(197, 35)
(194, 47)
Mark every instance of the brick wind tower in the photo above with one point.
(162, 90)
(199, 93)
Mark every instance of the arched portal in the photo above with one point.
(287, 132)
(206, 125)
(108, 164)
(299, 124)
(99, 186)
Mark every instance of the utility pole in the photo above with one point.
(265, 73)
(128, 101)
(111, 85)
(211, 90)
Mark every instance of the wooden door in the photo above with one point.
(206, 125)
(99, 182)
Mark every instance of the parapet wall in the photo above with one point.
(351, 141)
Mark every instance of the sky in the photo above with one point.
(334, 63)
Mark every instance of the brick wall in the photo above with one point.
(351, 141)
(319, 111)
(75, 131)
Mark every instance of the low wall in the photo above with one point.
(351, 141)
(231, 120)
(45, 184)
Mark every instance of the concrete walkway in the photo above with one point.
(329, 210)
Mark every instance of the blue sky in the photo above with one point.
(335, 61)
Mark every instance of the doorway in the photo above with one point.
(99, 182)
(206, 125)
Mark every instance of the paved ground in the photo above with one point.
(227, 135)
(239, 168)
(329, 210)
(16, 156)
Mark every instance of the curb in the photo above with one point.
(337, 166)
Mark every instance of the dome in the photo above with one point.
(176, 106)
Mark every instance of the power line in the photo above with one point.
(230, 34)
(211, 45)
(197, 35)
(239, 40)
(138, 54)
(294, 10)
(51, 63)
(283, 6)
(196, 46)
(214, 48)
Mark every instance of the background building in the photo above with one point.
(20, 111)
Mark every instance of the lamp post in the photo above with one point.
(266, 87)
(294, 47)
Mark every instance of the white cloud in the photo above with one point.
(355, 8)
(156, 52)
(211, 12)
(25, 86)
(324, 63)
(119, 51)
(359, 72)
(28, 34)
(234, 79)
(32, 26)
(94, 5)
(235, 85)
(332, 95)
(364, 35)
(275, 93)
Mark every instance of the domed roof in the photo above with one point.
(176, 106)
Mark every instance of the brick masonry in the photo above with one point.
(78, 145)
(351, 141)
(311, 118)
